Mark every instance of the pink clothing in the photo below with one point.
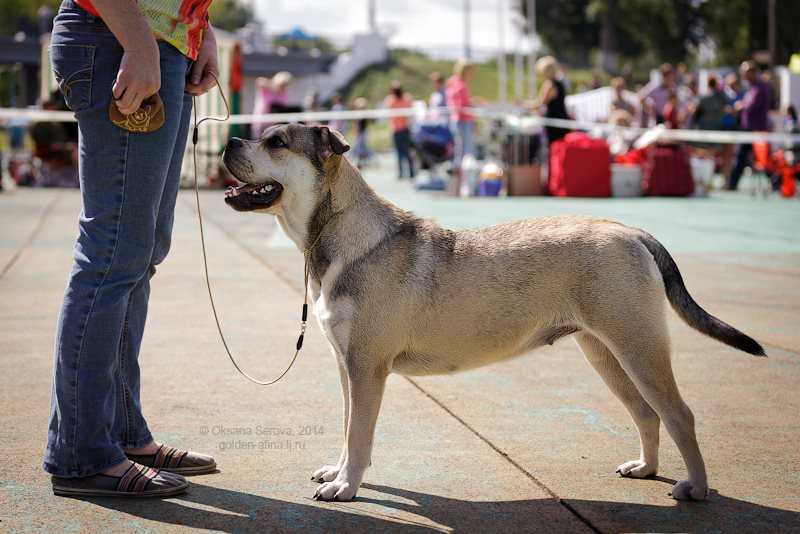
(265, 98)
(457, 93)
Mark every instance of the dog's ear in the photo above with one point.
(331, 142)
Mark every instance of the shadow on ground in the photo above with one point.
(207, 507)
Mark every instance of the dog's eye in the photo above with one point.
(275, 142)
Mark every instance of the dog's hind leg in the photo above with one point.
(326, 473)
(367, 382)
(645, 418)
(645, 357)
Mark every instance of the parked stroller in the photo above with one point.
(433, 144)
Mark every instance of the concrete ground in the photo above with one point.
(526, 445)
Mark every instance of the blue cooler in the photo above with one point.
(489, 188)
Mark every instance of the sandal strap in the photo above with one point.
(164, 457)
(136, 478)
(168, 457)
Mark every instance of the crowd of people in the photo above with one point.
(738, 101)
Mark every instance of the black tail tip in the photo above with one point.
(751, 346)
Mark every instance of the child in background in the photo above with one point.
(671, 112)
(361, 151)
(336, 105)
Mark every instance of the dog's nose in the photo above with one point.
(235, 142)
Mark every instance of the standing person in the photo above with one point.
(361, 151)
(552, 97)
(119, 52)
(272, 96)
(437, 102)
(712, 107)
(458, 101)
(672, 114)
(655, 97)
(734, 92)
(401, 134)
(753, 116)
(619, 102)
(336, 105)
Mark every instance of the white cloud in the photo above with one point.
(416, 23)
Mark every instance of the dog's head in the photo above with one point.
(284, 170)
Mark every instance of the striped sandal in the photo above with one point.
(137, 481)
(176, 461)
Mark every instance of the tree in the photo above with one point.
(565, 28)
(739, 27)
(654, 30)
(230, 15)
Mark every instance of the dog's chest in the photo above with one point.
(334, 317)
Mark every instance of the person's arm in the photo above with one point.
(139, 74)
(206, 68)
(547, 92)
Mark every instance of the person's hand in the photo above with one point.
(206, 68)
(139, 77)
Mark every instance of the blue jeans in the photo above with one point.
(129, 184)
(402, 143)
(465, 141)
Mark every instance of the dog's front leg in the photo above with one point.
(326, 473)
(367, 381)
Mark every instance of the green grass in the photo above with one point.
(412, 70)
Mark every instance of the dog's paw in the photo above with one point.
(685, 490)
(326, 473)
(637, 469)
(336, 490)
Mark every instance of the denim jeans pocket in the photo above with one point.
(73, 66)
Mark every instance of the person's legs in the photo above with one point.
(466, 131)
(406, 138)
(123, 177)
(398, 147)
(458, 146)
(130, 427)
(742, 161)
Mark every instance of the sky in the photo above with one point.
(430, 24)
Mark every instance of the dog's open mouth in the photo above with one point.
(249, 197)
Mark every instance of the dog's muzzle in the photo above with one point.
(249, 197)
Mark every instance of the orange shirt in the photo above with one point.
(392, 102)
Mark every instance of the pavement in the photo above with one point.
(528, 445)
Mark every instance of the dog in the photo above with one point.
(396, 293)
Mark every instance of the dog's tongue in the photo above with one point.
(236, 191)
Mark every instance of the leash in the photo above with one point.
(307, 254)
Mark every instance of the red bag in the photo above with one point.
(580, 167)
(666, 171)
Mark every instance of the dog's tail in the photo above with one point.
(686, 307)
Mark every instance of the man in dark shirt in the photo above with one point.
(753, 117)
